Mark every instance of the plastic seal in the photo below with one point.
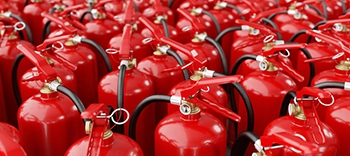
(160, 17)
(268, 38)
(291, 12)
(175, 100)
(54, 85)
(298, 15)
(186, 28)
(257, 145)
(7, 14)
(77, 39)
(324, 104)
(124, 62)
(279, 42)
(19, 26)
(60, 47)
(206, 90)
(347, 85)
(198, 10)
(185, 109)
(245, 27)
(116, 110)
(208, 73)
(254, 31)
(285, 55)
(263, 65)
(111, 51)
(147, 40)
(202, 36)
(338, 55)
(163, 49)
(223, 4)
(260, 58)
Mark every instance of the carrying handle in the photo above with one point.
(333, 23)
(158, 7)
(255, 26)
(196, 23)
(52, 41)
(64, 23)
(124, 53)
(71, 9)
(129, 12)
(156, 32)
(48, 74)
(317, 93)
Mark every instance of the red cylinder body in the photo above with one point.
(334, 8)
(32, 15)
(9, 147)
(142, 5)
(311, 130)
(8, 53)
(316, 50)
(173, 32)
(336, 117)
(137, 86)
(120, 18)
(30, 83)
(150, 13)
(266, 90)
(194, 134)
(187, 35)
(163, 81)
(54, 115)
(83, 58)
(115, 144)
(12, 132)
(140, 50)
(215, 94)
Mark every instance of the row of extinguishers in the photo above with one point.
(44, 113)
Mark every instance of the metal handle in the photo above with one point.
(129, 12)
(194, 20)
(221, 110)
(124, 53)
(157, 33)
(314, 92)
(332, 22)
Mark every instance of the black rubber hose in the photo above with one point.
(278, 3)
(15, 87)
(273, 24)
(73, 97)
(84, 14)
(46, 29)
(343, 7)
(226, 31)
(317, 11)
(221, 53)
(180, 61)
(240, 61)
(215, 21)
(28, 31)
(285, 103)
(315, 28)
(140, 107)
(136, 7)
(296, 35)
(325, 12)
(165, 28)
(277, 13)
(331, 84)
(240, 145)
(26, 3)
(90, 8)
(237, 10)
(120, 104)
(101, 51)
(170, 3)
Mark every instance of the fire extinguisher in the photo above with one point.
(101, 140)
(245, 9)
(128, 85)
(10, 141)
(157, 12)
(9, 40)
(140, 50)
(58, 7)
(32, 15)
(58, 103)
(3, 115)
(336, 28)
(130, 14)
(212, 50)
(303, 122)
(270, 84)
(181, 132)
(273, 145)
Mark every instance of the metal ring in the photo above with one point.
(186, 28)
(269, 38)
(327, 105)
(119, 109)
(147, 40)
(17, 28)
(287, 55)
(74, 13)
(111, 51)
(206, 91)
(185, 109)
(58, 48)
(338, 55)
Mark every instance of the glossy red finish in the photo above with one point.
(271, 86)
(9, 147)
(120, 18)
(53, 25)
(311, 130)
(163, 81)
(334, 8)
(215, 94)
(8, 53)
(32, 15)
(30, 82)
(116, 144)
(174, 33)
(70, 3)
(150, 13)
(195, 134)
(137, 87)
(140, 50)
(15, 6)
(54, 115)
(12, 132)
(142, 5)
(115, 7)
(336, 117)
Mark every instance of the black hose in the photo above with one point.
(46, 29)
(296, 35)
(166, 28)
(343, 7)
(26, 3)
(240, 61)
(224, 32)
(273, 24)
(90, 8)
(221, 53)
(140, 107)
(101, 51)
(317, 11)
(240, 145)
(325, 12)
(170, 3)
(285, 103)
(278, 3)
(136, 7)
(14, 72)
(237, 10)
(180, 61)
(215, 21)
(121, 77)
(84, 14)
(73, 97)
(29, 33)
(331, 84)
(277, 13)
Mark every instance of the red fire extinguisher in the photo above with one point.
(273, 145)
(59, 106)
(181, 133)
(130, 14)
(58, 7)
(336, 28)
(128, 85)
(32, 14)
(101, 140)
(303, 122)
(140, 50)
(245, 9)
(269, 84)
(159, 12)
(10, 141)
(9, 39)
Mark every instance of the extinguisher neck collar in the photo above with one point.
(342, 69)
(157, 55)
(193, 115)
